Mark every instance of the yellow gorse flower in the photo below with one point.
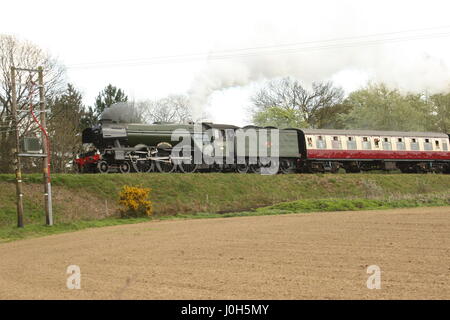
(134, 201)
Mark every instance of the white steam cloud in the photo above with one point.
(405, 71)
(122, 112)
(410, 65)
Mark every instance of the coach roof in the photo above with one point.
(375, 133)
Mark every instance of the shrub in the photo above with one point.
(134, 201)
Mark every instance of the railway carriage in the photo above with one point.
(355, 150)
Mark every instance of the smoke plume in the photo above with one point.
(408, 65)
(122, 112)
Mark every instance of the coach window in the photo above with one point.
(376, 142)
(436, 143)
(414, 144)
(310, 142)
(321, 143)
(444, 145)
(351, 143)
(366, 144)
(401, 144)
(387, 144)
(336, 143)
(427, 145)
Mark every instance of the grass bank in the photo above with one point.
(10, 233)
(82, 201)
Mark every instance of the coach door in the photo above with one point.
(377, 144)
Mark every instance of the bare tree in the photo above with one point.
(288, 95)
(22, 54)
(174, 108)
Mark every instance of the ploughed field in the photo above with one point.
(295, 256)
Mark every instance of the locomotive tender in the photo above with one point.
(149, 147)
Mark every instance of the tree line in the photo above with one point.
(287, 103)
(282, 103)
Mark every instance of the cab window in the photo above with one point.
(229, 133)
(217, 134)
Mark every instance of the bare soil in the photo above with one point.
(298, 256)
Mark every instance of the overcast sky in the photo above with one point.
(129, 44)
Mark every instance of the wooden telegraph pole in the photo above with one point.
(16, 150)
(46, 159)
(46, 146)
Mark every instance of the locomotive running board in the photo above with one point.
(169, 158)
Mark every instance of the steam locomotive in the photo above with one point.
(116, 147)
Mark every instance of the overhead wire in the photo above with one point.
(271, 49)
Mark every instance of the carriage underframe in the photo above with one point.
(153, 160)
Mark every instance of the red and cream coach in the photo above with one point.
(356, 150)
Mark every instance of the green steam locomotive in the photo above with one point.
(168, 147)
